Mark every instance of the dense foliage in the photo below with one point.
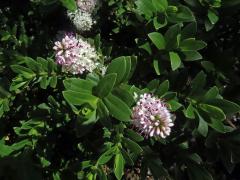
(119, 89)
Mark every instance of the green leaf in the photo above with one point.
(127, 157)
(117, 108)
(56, 176)
(192, 45)
(213, 111)
(69, 4)
(33, 64)
(78, 85)
(44, 82)
(134, 135)
(133, 66)
(125, 95)
(45, 162)
(156, 66)
(53, 81)
(217, 125)
(5, 150)
(6, 36)
(160, 5)
(157, 169)
(208, 25)
(183, 14)
(228, 107)
(159, 22)
(25, 72)
(131, 145)
(174, 105)
(169, 95)
(157, 39)
(198, 82)
(212, 93)
(80, 98)
(146, 46)
(175, 60)
(213, 18)
(117, 66)
(189, 31)
(105, 85)
(208, 66)
(197, 172)
(106, 156)
(189, 112)
(119, 163)
(192, 55)
(19, 145)
(163, 88)
(202, 126)
(145, 7)
(128, 61)
(171, 36)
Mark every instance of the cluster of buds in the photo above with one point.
(82, 17)
(75, 55)
(152, 117)
(86, 5)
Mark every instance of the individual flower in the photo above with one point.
(86, 5)
(75, 55)
(82, 20)
(151, 116)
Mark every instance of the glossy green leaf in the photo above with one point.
(189, 112)
(117, 66)
(198, 82)
(175, 60)
(163, 88)
(174, 105)
(25, 72)
(145, 7)
(202, 126)
(189, 31)
(160, 5)
(117, 108)
(192, 55)
(228, 107)
(198, 172)
(131, 145)
(212, 16)
(119, 164)
(157, 39)
(171, 36)
(80, 98)
(78, 85)
(211, 93)
(134, 135)
(213, 111)
(106, 156)
(105, 85)
(156, 66)
(192, 45)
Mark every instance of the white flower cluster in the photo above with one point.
(82, 17)
(75, 55)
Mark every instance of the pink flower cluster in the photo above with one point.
(75, 55)
(151, 116)
(66, 50)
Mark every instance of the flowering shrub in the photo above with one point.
(116, 89)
